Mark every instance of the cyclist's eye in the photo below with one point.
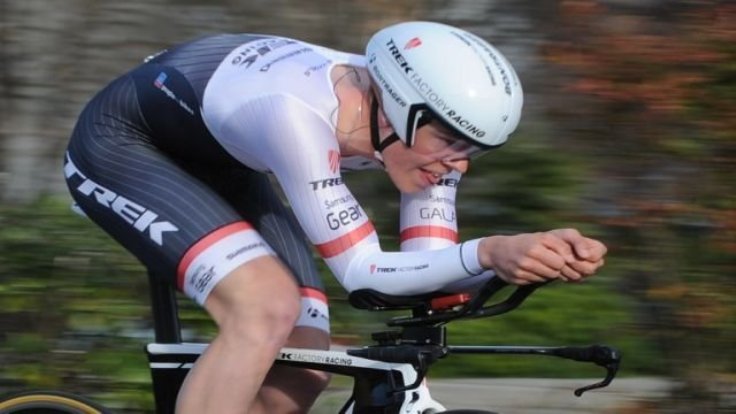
(439, 143)
(448, 141)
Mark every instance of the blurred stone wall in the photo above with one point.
(56, 54)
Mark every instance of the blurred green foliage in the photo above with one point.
(658, 91)
(76, 312)
(629, 137)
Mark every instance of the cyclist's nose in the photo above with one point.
(460, 166)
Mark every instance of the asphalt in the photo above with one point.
(528, 396)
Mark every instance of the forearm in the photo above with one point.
(411, 273)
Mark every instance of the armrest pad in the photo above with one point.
(373, 300)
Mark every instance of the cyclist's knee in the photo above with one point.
(258, 300)
(269, 324)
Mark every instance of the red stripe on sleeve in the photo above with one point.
(429, 231)
(203, 244)
(334, 247)
(313, 293)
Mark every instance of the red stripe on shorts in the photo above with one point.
(203, 244)
(313, 293)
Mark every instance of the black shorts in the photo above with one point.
(142, 165)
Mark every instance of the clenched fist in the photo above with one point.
(537, 257)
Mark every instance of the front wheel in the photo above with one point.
(48, 402)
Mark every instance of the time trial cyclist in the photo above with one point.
(173, 158)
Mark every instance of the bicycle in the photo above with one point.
(388, 376)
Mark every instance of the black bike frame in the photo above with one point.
(170, 361)
(385, 375)
(165, 310)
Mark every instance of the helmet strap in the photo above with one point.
(379, 145)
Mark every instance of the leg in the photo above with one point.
(159, 208)
(286, 389)
(294, 390)
(255, 315)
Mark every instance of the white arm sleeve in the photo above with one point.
(429, 222)
(285, 136)
(428, 218)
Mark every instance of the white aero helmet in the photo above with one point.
(430, 69)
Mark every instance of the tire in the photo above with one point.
(48, 402)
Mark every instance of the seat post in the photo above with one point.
(165, 311)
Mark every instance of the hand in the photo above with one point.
(587, 254)
(538, 257)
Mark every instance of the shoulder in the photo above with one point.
(279, 77)
(275, 132)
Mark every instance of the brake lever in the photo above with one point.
(608, 358)
(610, 374)
(601, 355)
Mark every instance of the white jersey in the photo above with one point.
(271, 104)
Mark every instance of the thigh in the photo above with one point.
(187, 221)
(255, 199)
(152, 204)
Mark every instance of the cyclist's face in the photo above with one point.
(435, 153)
(440, 144)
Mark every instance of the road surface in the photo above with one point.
(528, 396)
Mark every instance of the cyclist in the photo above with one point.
(172, 160)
